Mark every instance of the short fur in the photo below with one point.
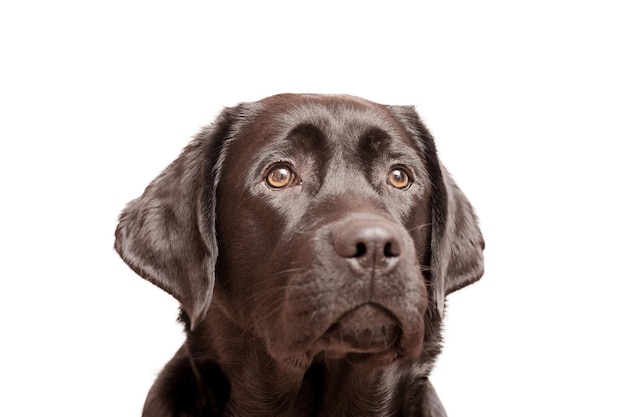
(322, 298)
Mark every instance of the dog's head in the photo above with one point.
(319, 223)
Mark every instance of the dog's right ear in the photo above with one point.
(167, 235)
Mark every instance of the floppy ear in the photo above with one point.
(167, 235)
(456, 242)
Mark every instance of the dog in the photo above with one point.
(311, 241)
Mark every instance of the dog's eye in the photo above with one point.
(399, 178)
(280, 177)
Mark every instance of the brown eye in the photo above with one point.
(280, 177)
(398, 178)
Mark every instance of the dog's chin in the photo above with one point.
(366, 332)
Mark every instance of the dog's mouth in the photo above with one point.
(369, 328)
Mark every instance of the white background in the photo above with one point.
(526, 101)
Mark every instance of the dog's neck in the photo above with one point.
(336, 388)
(262, 386)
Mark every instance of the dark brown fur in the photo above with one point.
(323, 298)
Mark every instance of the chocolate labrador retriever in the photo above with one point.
(311, 241)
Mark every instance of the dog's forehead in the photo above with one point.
(341, 118)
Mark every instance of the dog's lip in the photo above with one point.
(368, 328)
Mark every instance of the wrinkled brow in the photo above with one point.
(306, 137)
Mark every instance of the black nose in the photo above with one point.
(372, 243)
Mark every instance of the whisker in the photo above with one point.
(418, 227)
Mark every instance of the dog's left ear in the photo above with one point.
(457, 243)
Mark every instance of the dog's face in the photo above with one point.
(322, 224)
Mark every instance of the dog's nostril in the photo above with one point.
(361, 250)
(391, 249)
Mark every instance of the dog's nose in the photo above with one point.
(373, 244)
